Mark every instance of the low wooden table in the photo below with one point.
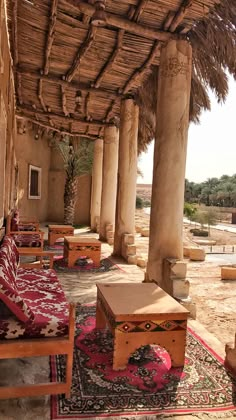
(75, 247)
(139, 314)
(58, 231)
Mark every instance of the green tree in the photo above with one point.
(77, 156)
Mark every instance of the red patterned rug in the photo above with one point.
(148, 387)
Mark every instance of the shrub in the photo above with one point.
(139, 202)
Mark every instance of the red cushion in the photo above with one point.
(9, 293)
(27, 241)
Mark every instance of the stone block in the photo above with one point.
(109, 227)
(141, 262)
(197, 254)
(186, 251)
(145, 232)
(130, 250)
(228, 273)
(132, 259)
(128, 239)
(110, 241)
(230, 358)
(110, 234)
(181, 288)
(175, 269)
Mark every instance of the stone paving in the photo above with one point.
(81, 287)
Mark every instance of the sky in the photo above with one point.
(211, 144)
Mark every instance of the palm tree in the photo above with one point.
(77, 155)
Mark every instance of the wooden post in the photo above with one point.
(127, 173)
(109, 179)
(166, 220)
(96, 183)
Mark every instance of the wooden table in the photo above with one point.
(139, 314)
(58, 231)
(75, 247)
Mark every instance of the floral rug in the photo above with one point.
(147, 387)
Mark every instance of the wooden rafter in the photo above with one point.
(122, 23)
(108, 65)
(169, 18)
(178, 17)
(110, 111)
(51, 33)
(58, 130)
(138, 74)
(140, 8)
(27, 110)
(81, 53)
(63, 100)
(15, 32)
(87, 115)
(19, 89)
(101, 130)
(40, 94)
(59, 81)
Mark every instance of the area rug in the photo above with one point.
(105, 265)
(147, 387)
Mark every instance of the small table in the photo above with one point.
(139, 314)
(58, 231)
(75, 247)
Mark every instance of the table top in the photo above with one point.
(60, 226)
(137, 300)
(81, 240)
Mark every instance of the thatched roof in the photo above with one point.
(71, 75)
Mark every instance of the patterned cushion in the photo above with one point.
(42, 293)
(22, 240)
(9, 293)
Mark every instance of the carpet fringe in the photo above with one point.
(201, 415)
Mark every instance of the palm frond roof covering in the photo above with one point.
(70, 75)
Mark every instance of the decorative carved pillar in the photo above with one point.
(166, 220)
(96, 184)
(127, 173)
(109, 180)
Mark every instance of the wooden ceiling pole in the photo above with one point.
(26, 110)
(81, 53)
(108, 65)
(87, 115)
(40, 95)
(139, 10)
(51, 33)
(15, 32)
(59, 81)
(110, 111)
(19, 88)
(63, 100)
(123, 23)
(138, 74)
(174, 19)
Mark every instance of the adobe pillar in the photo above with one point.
(109, 179)
(96, 184)
(166, 219)
(127, 173)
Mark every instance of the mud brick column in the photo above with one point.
(166, 219)
(96, 184)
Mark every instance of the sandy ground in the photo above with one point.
(215, 299)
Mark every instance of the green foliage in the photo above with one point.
(189, 211)
(219, 192)
(199, 232)
(139, 202)
(77, 156)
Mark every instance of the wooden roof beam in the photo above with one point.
(19, 88)
(51, 33)
(108, 65)
(178, 17)
(58, 130)
(15, 32)
(138, 74)
(122, 23)
(27, 110)
(63, 100)
(59, 81)
(81, 53)
(139, 10)
(40, 95)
